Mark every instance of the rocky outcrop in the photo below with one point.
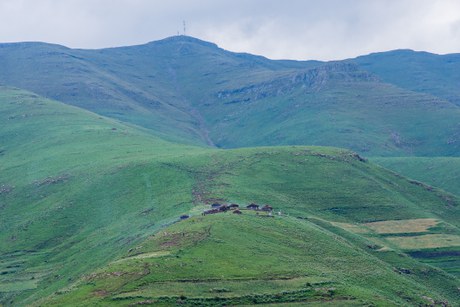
(310, 80)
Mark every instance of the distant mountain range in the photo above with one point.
(397, 103)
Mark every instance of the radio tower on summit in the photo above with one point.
(185, 28)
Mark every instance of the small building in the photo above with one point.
(252, 207)
(237, 211)
(215, 205)
(233, 206)
(212, 211)
(184, 217)
(223, 208)
(267, 208)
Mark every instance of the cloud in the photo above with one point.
(297, 29)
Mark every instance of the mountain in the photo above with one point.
(90, 215)
(135, 84)
(190, 91)
(423, 72)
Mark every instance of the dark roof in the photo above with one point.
(212, 211)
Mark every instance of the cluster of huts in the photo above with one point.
(219, 208)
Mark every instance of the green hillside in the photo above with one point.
(73, 77)
(190, 91)
(81, 192)
(135, 84)
(343, 106)
(442, 172)
(417, 71)
(230, 259)
(76, 189)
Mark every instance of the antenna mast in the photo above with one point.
(185, 28)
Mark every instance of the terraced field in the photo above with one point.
(428, 240)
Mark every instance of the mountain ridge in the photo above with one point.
(188, 38)
(175, 86)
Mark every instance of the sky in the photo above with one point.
(283, 29)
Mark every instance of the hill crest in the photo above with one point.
(191, 91)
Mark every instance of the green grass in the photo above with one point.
(445, 258)
(442, 172)
(244, 259)
(80, 187)
(326, 182)
(186, 90)
(347, 110)
(137, 85)
(81, 191)
(417, 71)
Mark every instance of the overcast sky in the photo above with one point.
(290, 29)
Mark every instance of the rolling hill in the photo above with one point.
(417, 71)
(443, 172)
(75, 187)
(136, 84)
(256, 260)
(90, 212)
(190, 91)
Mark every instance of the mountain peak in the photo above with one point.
(181, 39)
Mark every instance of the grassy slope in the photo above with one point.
(326, 182)
(229, 259)
(76, 189)
(135, 84)
(191, 91)
(347, 109)
(442, 172)
(90, 189)
(307, 182)
(311, 103)
(93, 82)
(418, 71)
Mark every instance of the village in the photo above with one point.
(261, 210)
